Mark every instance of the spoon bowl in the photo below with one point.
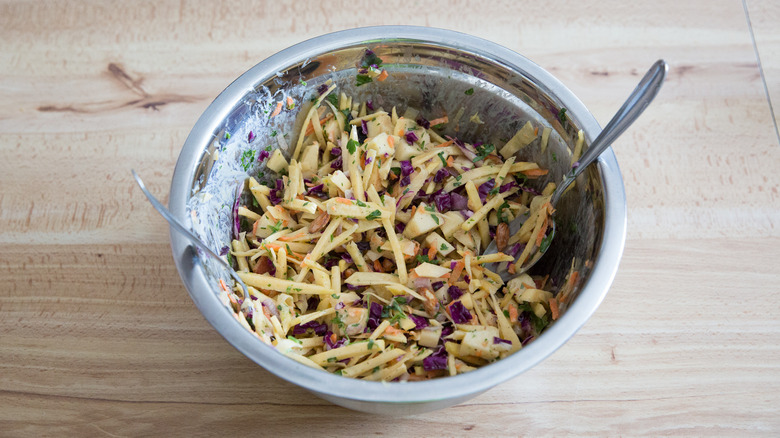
(634, 106)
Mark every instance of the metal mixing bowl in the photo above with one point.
(430, 69)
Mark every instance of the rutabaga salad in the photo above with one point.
(363, 258)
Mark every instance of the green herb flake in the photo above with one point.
(562, 115)
(546, 243)
(483, 151)
(332, 99)
(247, 158)
(374, 215)
(441, 157)
(469, 92)
(302, 82)
(443, 247)
(276, 227)
(435, 218)
(370, 344)
(362, 80)
(430, 208)
(352, 146)
(555, 157)
(274, 133)
(227, 136)
(294, 339)
(360, 203)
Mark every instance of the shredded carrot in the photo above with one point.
(277, 110)
(536, 131)
(391, 142)
(540, 237)
(445, 144)
(382, 76)
(534, 172)
(459, 265)
(432, 251)
(440, 120)
(378, 266)
(400, 132)
(266, 312)
(223, 285)
(254, 227)
(310, 126)
(512, 312)
(450, 160)
(290, 103)
(573, 278)
(446, 276)
(292, 236)
(511, 269)
(343, 201)
(333, 338)
(393, 331)
(554, 308)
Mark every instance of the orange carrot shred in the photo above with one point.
(512, 313)
(534, 172)
(450, 160)
(277, 110)
(440, 120)
(378, 266)
(432, 251)
(554, 308)
(457, 271)
(382, 76)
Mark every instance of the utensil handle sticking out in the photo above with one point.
(640, 98)
(168, 216)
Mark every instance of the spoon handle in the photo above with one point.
(640, 98)
(175, 223)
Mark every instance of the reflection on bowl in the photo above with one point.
(429, 69)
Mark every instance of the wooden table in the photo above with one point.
(98, 335)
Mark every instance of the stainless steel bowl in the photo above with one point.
(430, 69)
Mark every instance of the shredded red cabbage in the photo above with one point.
(443, 201)
(336, 152)
(250, 137)
(441, 175)
(337, 163)
(454, 292)
(364, 127)
(406, 168)
(447, 329)
(485, 188)
(329, 342)
(224, 250)
(419, 321)
(411, 137)
(497, 340)
(405, 181)
(318, 328)
(422, 121)
(363, 246)
(236, 218)
(322, 89)
(459, 313)
(374, 315)
(263, 155)
(459, 202)
(437, 285)
(507, 186)
(370, 105)
(346, 257)
(340, 305)
(316, 190)
(400, 227)
(516, 249)
(271, 307)
(436, 361)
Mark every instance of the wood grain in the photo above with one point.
(98, 336)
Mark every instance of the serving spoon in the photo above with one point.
(640, 98)
(176, 224)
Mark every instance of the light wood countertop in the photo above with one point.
(99, 337)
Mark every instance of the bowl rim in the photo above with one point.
(472, 383)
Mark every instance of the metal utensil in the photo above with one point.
(187, 233)
(640, 98)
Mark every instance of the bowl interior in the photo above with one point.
(435, 73)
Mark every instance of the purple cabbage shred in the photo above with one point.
(406, 168)
(454, 292)
(441, 175)
(251, 136)
(419, 321)
(485, 188)
(370, 105)
(436, 361)
(443, 201)
(459, 313)
(318, 328)
(437, 285)
(411, 137)
(336, 152)
(263, 155)
(497, 340)
(459, 202)
(337, 163)
(422, 121)
(364, 127)
(374, 315)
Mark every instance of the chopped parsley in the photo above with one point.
(435, 218)
(443, 161)
(247, 158)
(352, 146)
(332, 99)
(370, 344)
(294, 339)
(483, 151)
(555, 157)
(562, 115)
(430, 208)
(276, 227)
(362, 80)
(374, 215)
(443, 247)
(469, 92)
(425, 259)
(546, 242)
(360, 203)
